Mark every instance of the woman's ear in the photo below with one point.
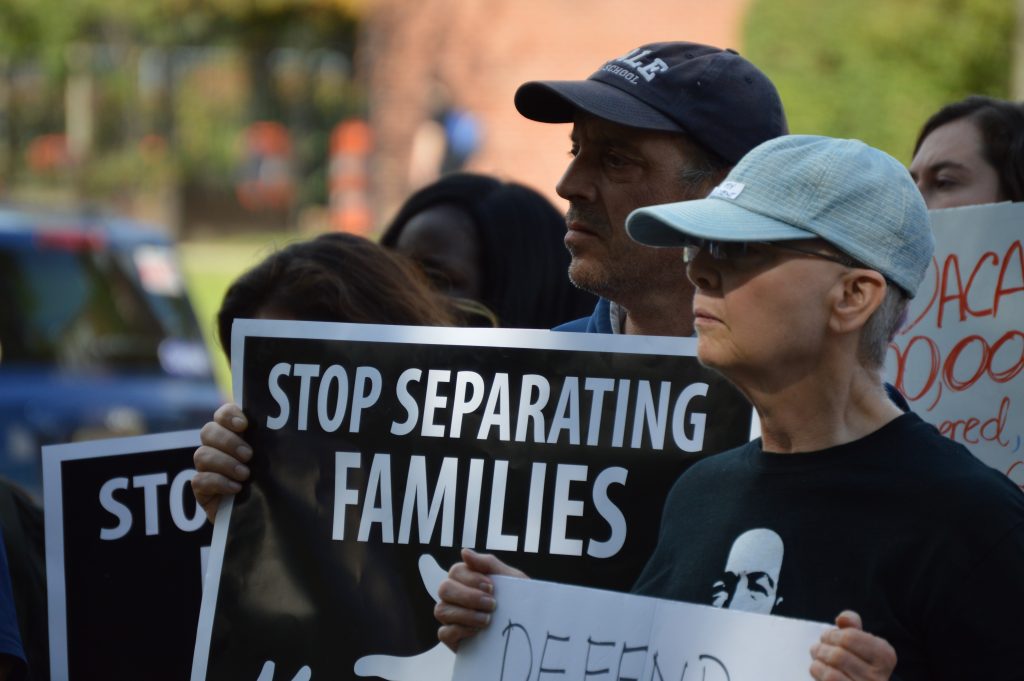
(858, 294)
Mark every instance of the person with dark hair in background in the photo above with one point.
(334, 277)
(495, 242)
(971, 152)
(331, 278)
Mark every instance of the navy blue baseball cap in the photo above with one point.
(715, 96)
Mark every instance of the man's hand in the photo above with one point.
(466, 597)
(851, 654)
(220, 459)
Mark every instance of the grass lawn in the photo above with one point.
(210, 264)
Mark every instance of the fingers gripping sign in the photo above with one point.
(466, 597)
(221, 459)
(848, 653)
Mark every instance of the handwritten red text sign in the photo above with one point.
(960, 358)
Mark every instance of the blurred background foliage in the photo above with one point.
(45, 27)
(120, 102)
(165, 109)
(839, 63)
(135, 104)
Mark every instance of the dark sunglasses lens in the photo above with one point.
(730, 250)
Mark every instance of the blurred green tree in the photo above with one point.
(191, 73)
(46, 27)
(877, 69)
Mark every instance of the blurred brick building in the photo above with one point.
(475, 53)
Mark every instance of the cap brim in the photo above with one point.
(556, 101)
(713, 219)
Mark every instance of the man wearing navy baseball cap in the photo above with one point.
(661, 123)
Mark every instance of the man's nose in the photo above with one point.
(575, 183)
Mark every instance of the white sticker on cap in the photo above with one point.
(727, 190)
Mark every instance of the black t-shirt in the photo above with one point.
(904, 526)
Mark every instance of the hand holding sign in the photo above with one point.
(467, 596)
(220, 460)
(851, 652)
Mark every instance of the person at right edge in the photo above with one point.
(971, 152)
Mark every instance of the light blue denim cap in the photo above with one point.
(857, 198)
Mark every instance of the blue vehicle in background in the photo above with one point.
(97, 337)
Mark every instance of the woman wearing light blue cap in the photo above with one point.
(803, 261)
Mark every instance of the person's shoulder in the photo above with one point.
(598, 322)
(722, 463)
(703, 481)
(921, 445)
(576, 326)
(917, 435)
(949, 469)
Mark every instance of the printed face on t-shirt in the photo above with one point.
(749, 592)
(750, 580)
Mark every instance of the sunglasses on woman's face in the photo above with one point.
(738, 252)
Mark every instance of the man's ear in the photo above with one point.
(858, 294)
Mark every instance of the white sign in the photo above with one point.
(960, 356)
(542, 630)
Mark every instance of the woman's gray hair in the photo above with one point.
(882, 326)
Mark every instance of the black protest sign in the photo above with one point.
(125, 542)
(382, 450)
